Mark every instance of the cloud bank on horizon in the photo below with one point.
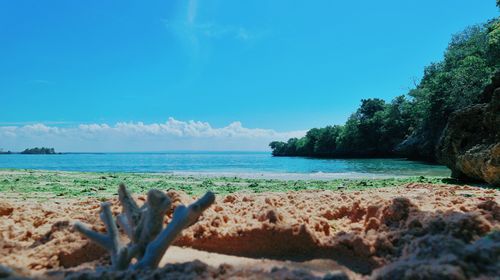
(138, 136)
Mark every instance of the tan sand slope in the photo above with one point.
(373, 232)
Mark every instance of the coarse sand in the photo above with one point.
(414, 231)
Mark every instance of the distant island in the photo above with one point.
(32, 151)
(2, 152)
(39, 151)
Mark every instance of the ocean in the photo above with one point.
(240, 164)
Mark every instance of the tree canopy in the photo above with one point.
(411, 124)
(39, 151)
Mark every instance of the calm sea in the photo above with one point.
(243, 164)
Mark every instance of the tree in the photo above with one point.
(278, 147)
(326, 143)
(39, 151)
(413, 123)
(494, 43)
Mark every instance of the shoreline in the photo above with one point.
(294, 176)
(243, 165)
(264, 175)
(26, 183)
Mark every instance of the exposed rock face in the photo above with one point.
(420, 145)
(470, 144)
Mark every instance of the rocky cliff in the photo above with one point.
(470, 143)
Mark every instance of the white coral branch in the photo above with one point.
(183, 217)
(144, 227)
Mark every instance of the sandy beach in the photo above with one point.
(375, 233)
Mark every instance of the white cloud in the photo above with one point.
(212, 30)
(40, 82)
(186, 24)
(192, 10)
(194, 31)
(138, 136)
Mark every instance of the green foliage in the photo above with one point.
(494, 42)
(277, 147)
(377, 127)
(366, 133)
(452, 84)
(39, 151)
(327, 140)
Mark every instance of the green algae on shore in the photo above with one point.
(23, 183)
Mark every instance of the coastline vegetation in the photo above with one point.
(32, 151)
(39, 151)
(411, 125)
(33, 184)
(2, 152)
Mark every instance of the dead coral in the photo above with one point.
(144, 227)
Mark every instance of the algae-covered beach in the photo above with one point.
(259, 228)
(36, 184)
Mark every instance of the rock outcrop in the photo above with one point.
(420, 145)
(470, 143)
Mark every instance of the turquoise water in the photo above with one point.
(244, 164)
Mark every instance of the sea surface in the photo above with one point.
(241, 164)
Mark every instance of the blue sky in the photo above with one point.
(275, 66)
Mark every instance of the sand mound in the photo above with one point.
(38, 236)
(418, 228)
(444, 257)
(198, 270)
(362, 230)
